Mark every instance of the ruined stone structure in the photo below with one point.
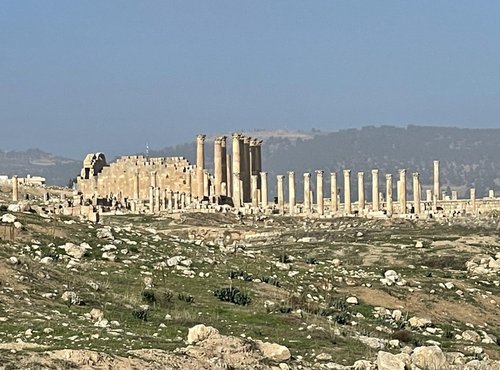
(172, 183)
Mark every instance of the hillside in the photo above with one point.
(469, 157)
(57, 170)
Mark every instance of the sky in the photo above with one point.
(86, 76)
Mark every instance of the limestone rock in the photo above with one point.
(431, 358)
(388, 361)
(8, 218)
(352, 300)
(200, 332)
(274, 351)
(417, 322)
(471, 336)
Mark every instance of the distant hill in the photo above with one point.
(56, 170)
(468, 157)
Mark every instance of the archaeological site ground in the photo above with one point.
(154, 263)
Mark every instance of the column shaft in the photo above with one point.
(319, 193)
(347, 192)
(281, 202)
(388, 194)
(334, 192)
(416, 193)
(263, 192)
(307, 192)
(291, 192)
(436, 180)
(200, 164)
(361, 191)
(402, 191)
(375, 191)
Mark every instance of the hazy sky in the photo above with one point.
(82, 76)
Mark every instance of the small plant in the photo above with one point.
(149, 296)
(448, 332)
(271, 280)
(140, 314)
(279, 309)
(342, 318)
(233, 295)
(404, 336)
(311, 261)
(240, 274)
(185, 297)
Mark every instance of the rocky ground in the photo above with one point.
(268, 292)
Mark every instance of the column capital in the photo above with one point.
(436, 162)
(415, 174)
(347, 172)
(402, 171)
(320, 172)
(263, 173)
(388, 176)
(280, 177)
(374, 171)
(247, 139)
(361, 174)
(291, 173)
(254, 142)
(307, 175)
(200, 138)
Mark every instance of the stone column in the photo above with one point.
(255, 191)
(473, 200)
(436, 180)
(151, 199)
(165, 199)
(136, 186)
(416, 193)
(307, 192)
(347, 192)
(245, 169)
(291, 192)
(402, 191)
(361, 191)
(388, 194)
(189, 182)
(281, 201)
(375, 193)
(206, 183)
(229, 177)
(223, 164)
(454, 195)
(200, 164)
(258, 159)
(15, 189)
(263, 192)
(157, 199)
(333, 192)
(236, 193)
(428, 195)
(217, 166)
(319, 192)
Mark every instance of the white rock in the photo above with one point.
(8, 218)
(388, 361)
(419, 244)
(431, 358)
(471, 336)
(352, 300)
(274, 351)
(13, 260)
(200, 332)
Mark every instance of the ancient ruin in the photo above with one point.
(172, 184)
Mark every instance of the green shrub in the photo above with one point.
(233, 295)
(185, 297)
(140, 314)
(237, 274)
(271, 280)
(149, 296)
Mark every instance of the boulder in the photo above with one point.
(274, 351)
(388, 361)
(430, 358)
(200, 332)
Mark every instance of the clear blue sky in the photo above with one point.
(81, 76)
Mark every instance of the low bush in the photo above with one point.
(233, 295)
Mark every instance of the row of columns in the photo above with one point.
(334, 206)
